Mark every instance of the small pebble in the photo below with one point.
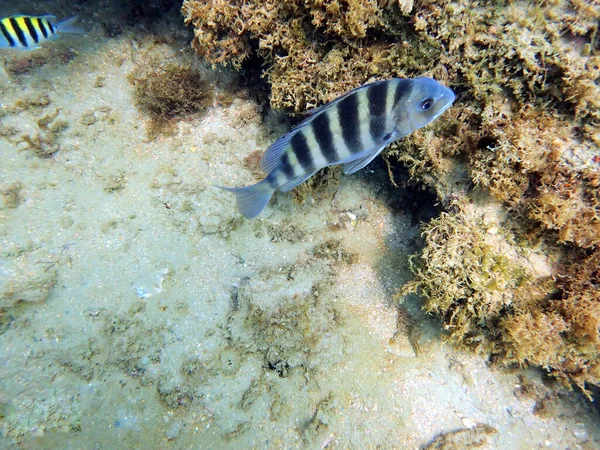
(469, 423)
(173, 431)
(580, 432)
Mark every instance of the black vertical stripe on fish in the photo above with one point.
(348, 117)
(286, 167)
(322, 130)
(18, 31)
(51, 27)
(7, 35)
(31, 29)
(272, 180)
(42, 26)
(302, 151)
(403, 88)
(377, 95)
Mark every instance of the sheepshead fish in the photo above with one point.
(26, 32)
(350, 130)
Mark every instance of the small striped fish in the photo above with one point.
(26, 32)
(351, 130)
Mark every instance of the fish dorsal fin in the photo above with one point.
(272, 156)
(318, 109)
(45, 16)
(270, 159)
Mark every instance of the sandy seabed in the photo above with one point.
(139, 310)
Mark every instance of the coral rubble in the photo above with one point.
(512, 266)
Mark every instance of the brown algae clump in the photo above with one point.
(510, 299)
(561, 334)
(470, 275)
(540, 165)
(314, 51)
(168, 92)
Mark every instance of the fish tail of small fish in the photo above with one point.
(251, 200)
(68, 26)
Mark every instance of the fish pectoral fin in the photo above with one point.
(356, 165)
(296, 181)
(360, 162)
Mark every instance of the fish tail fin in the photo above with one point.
(68, 26)
(251, 200)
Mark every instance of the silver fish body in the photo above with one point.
(351, 130)
(26, 32)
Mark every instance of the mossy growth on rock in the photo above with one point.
(561, 334)
(471, 273)
(518, 303)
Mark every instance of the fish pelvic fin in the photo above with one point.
(68, 26)
(251, 200)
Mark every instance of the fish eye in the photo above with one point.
(426, 104)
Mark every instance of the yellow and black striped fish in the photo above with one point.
(351, 130)
(26, 32)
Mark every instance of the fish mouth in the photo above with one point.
(444, 108)
(448, 98)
